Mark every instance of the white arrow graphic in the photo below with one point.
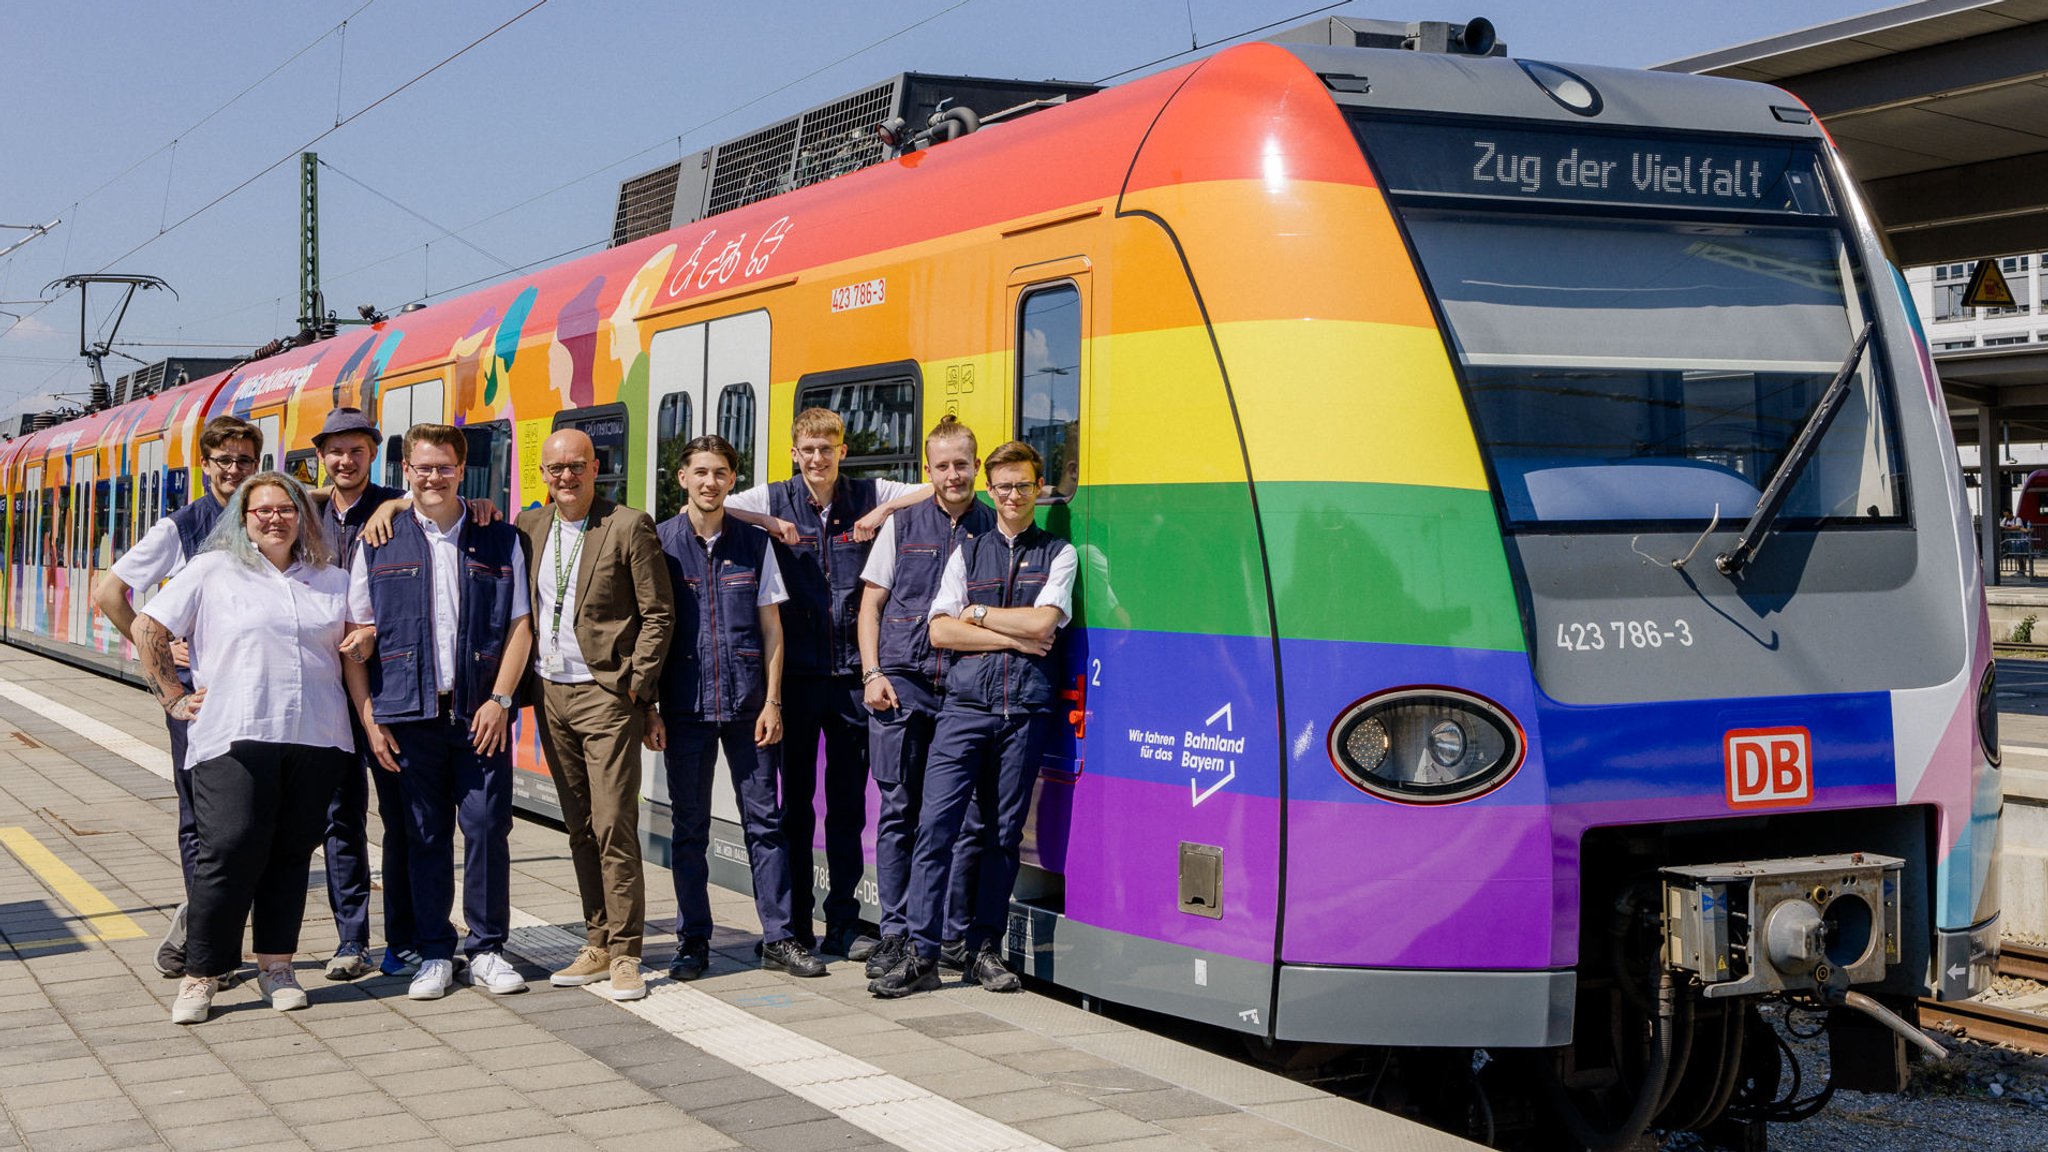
(1197, 794)
(1956, 973)
(1222, 713)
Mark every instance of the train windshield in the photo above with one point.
(1636, 356)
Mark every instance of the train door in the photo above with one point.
(271, 426)
(400, 405)
(1049, 327)
(710, 377)
(77, 553)
(32, 590)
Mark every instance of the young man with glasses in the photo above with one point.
(604, 612)
(447, 597)
(1000, 605)
(822, 523)
(229, 450)
(723, 686)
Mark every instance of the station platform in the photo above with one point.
(739, 1059)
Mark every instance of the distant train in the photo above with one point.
(1527, 599)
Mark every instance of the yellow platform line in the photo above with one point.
(99, 913)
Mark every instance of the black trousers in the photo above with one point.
(831, 706)
(258, 811)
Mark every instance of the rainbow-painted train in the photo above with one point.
(1438, 681)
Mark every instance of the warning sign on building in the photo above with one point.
(1988, 288)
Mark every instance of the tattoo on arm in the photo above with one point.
(153, 647)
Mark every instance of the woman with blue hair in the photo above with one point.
(263, 609)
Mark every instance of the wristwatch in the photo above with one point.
(502, 701)
(869, 675)
(978, 613)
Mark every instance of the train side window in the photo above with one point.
(487, 467)
(879, 405)
(303, 466)
(17, 508)
(1049, 384)
(672, 429)
(124, 511)
(736, 423)
(103, 512)
(606, 427)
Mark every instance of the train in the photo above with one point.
(1527, 607)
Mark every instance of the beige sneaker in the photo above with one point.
(195, 999)
(591, 965)
(627, 982)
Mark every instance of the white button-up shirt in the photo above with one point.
(445, 551)
(565, 538)
(265, 646)
(159, 555)
(951, 598)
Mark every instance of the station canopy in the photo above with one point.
(1940, 109)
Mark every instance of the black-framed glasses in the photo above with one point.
(442, 471)
(239, 463)
(1021, 488)
(568, 468)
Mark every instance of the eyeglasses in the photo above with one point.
(237, 463)
(274, 515)
(442, 471)
(571, 468)
(1025, 488)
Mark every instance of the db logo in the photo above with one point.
(1769, 767)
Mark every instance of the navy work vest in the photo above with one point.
(1003, 573)
(343, 530)
(822, 616)
(925, 539)
(716, 669)
(195, 522)
(404, 675)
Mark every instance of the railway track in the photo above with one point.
(1990, 1023)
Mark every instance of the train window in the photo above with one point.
(606, 427)
(672, 430)
(879, 405)
(303, 466)
(124, 512)
(102, 514)
(17, 526)
(736, 423)
(487, 467)
(1049, 384)
(1627, 371)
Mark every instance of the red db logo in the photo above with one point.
(1769, 767)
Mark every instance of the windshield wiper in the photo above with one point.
(1754, 533)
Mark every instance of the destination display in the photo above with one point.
(1660, 171)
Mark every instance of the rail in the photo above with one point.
(1988, 1023)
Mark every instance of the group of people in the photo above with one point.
(311, 644)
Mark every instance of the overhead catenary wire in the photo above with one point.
(479, 250)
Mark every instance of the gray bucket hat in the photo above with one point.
(346, 420)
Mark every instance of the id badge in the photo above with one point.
(551, 663)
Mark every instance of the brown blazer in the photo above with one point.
(625, 609)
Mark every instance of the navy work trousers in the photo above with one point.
(692, 763)
(348, 853)
(444, 782)
(830, 705)
(898, 742)
(181, 783)
(259, 808)
(988, 761)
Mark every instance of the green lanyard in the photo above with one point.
(565, 570)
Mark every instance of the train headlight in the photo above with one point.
(1425, 745)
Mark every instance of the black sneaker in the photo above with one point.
(953, 954)
(915, 974)
(886, 955)
(849, 941)
(991, 973)
(170, 954)
(789, 956)
(692, 957)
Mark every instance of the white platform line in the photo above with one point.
(141, 753)
(886, 1105)
(913, 1118)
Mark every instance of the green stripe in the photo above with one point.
(1381, 563)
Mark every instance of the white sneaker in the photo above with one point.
(493, 973)
(280, 985)
(433, 981)
(195, 997)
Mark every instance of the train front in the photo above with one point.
(1745, 748)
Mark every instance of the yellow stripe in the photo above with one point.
(98, 912)
(1320, 400)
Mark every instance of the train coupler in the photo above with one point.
(1801, 924)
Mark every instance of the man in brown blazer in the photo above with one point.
(603, 612)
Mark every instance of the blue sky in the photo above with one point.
(518, 145)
